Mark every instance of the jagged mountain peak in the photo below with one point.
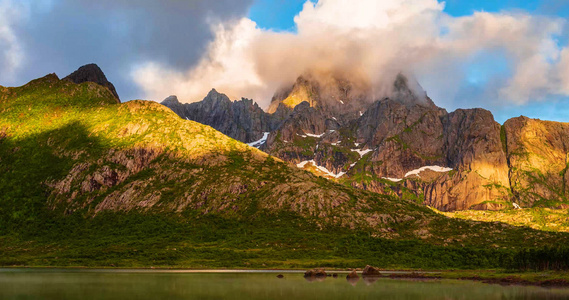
(304, 89)
(215, 96)
(92, 73)
(408, 91)
(170, 100)
(241, 119)
(342, 96)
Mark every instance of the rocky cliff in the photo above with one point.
(405, 145)
(538, 160)
(243, 120)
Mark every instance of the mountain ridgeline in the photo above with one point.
(401, 145)
(88, 181)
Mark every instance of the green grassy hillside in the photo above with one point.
(85, 181)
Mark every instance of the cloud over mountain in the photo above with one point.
(373, 41)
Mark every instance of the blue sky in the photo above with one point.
(278, 15)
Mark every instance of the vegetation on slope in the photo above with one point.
(85, 181)
(545, 219)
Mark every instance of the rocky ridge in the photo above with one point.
(243, 120)
(92, 73)
(405, 145)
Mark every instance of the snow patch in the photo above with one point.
(432, 168)
(315, 135)
(392, 179)
(357, 144)
(336, 143)
(258, 143)
(361, 152)
(334, 118)
(361, 114)
(341, 101)
(322, 169)
(516, 206)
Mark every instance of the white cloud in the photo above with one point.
(373, 40)
(11, 53)
(229, 66)
(563, 69)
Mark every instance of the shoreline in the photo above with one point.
(554, 280)
(542, 279)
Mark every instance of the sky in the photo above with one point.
(511, 57)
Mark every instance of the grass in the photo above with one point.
(545, 219)
(136, 240)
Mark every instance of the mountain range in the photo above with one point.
(401, 144)
(86, 180)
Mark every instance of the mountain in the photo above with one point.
(406, 146)
(88, 181)
(92, 73)
(243, 120)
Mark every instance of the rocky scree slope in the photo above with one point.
(405, 145)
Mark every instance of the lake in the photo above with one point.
(153, 284)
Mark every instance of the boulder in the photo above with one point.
(352, 275)
(370, 271)
(315, 273)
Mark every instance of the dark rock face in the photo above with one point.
(473, 148)
(405, 136)
(403, 145)
(242, 120)
(92, 73)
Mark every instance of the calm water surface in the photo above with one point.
(128, 284)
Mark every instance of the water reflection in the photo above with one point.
(315, 279)
(30, 284)
(352, 280)
(370, 279)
